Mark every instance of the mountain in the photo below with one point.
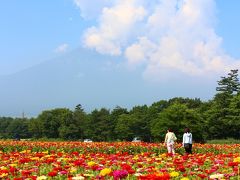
(81, 76)
(92, 80)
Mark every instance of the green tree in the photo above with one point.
(123, 129)
(36, 128)
(18, 127)
(190, 103)
(80, 122)
(229, 84)
(153, 112)
(233, 118)
(140, 122)
(177, 117)
(114, 115)
(227, 87)
(52, 120)
(218, 114)
(4, 123)
(100, 123)
(68, 132)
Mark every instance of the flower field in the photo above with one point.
(119, 160)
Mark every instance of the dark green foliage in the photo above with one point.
(218, 118)
(4, 123)
(79, 125)
(233, 117)
(229, 84)
(177, 117)
(221, 117)
(99, 124)
(123, 129)
(18, 128)
(114, 116)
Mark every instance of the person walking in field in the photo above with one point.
(170, 138)
(187, 141)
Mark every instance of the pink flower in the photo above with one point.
(63, 172)
(119, 174)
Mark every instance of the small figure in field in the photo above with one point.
(187, 141)
(17, 137)
(170, 138)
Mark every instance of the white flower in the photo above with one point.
(216, 176)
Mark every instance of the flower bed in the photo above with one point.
(120, 160)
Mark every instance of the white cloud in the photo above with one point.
(140, 51)
(115, 27)
(90, 9)
(62, 48)
(162, 35)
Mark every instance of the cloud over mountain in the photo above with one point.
(62, 48)
(162, 36)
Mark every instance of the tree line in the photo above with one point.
(217, 118)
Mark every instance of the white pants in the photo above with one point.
(170, 148)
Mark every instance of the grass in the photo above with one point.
(224, 141)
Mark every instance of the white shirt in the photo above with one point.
(170, 137)
(187, 138)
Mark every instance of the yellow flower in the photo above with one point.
(3, 167)
(174, 174)
(163, 155)
(105, 172)
(13, 165)
(73, 169)
(26, 151)
(88, 175)
(171, 169)
(3, 175)
(135, 157)
(35, 158)
(184, 178)
(91, 163)
(41, 177)
(237, 159)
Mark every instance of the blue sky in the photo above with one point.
(196, 39)
(32, 30)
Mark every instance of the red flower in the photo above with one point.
(26, 172)
(24, 160)
(78, 162)
(57, 169)
(13, 170)
(128, 168)
(155, 177)
(52, 173)
(181, 168)
(202, 176)
(232, 164)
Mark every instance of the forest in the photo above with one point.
(218, 118)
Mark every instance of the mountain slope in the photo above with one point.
(81, 76)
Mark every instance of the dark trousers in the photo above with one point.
(188, 148)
